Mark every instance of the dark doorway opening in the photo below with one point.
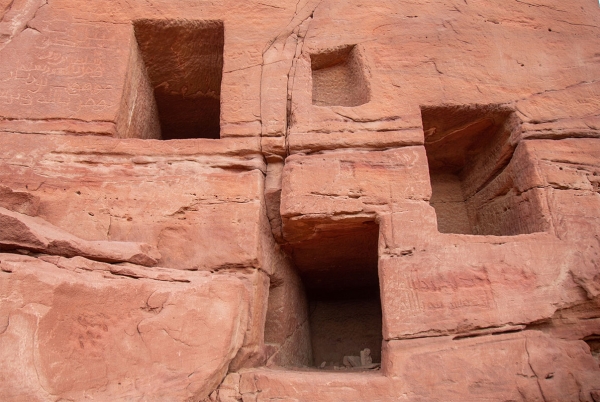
(184, 62)
(338, 266)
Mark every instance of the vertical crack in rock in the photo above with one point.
(301, 31)
(297, 28)
(533, 371)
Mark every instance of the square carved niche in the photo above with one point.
(468, 150)
(338, 78)
(184, 64)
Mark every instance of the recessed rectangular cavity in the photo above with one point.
(339, 270)
(338, 77)
(468, 149)
(184, 62)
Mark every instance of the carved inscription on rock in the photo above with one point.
(426, 292)
(68, 70)
(417, 300)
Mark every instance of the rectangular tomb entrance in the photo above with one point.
(338, 267)
(184, 62)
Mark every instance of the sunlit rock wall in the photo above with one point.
(300, 200)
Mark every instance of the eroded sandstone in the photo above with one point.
(305, 201)
(81, 333)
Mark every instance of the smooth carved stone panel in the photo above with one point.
(350, 183)
(522, 366)
(461, 287)
(338, 78)
(184, 60)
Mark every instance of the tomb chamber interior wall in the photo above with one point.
(184, 63)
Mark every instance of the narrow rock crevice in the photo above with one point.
(533, 371)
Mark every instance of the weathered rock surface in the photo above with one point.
(93, 333)
(234, 201)
(19, 201)
(168, 195)
(21, 231)
(526, 366)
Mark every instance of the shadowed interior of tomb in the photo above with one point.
(338, 267)
(594, 344)
(467, 148)
(339, 262)
(184, 61)
(338, 78)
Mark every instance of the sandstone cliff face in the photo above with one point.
(300, 200)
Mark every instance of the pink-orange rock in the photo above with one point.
(21, 231)
(526, 366)
(307, 179)
(266, 385)
(81, 334)
(19, 201)
(170, 196)
(286, 324)
(352, 182)
(460, 287)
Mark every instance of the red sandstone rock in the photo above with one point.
(525, 366)
(19, 201)
(421, 179)
(21, 231)
(172, 199)
(81, 334)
